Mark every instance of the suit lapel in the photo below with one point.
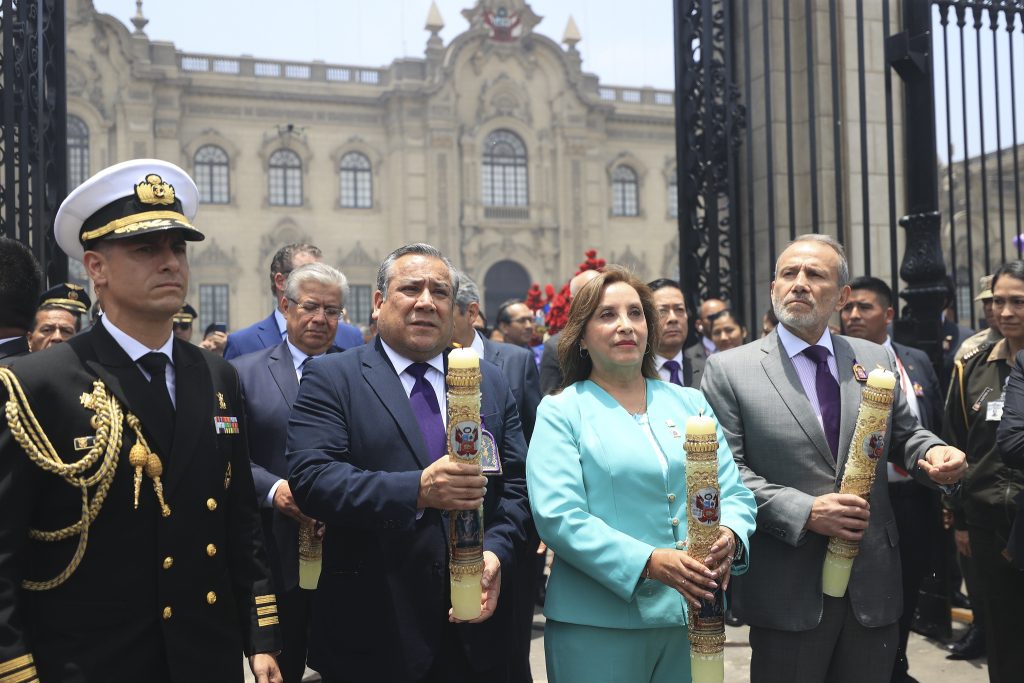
(129, 385)
(492, 353)
(282, 369)
(382, 379)
(193, 388)
(782, 374)
(268, 333)
(849, 395)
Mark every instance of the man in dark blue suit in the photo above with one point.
(367, 455)
(271, 330)
(520, 369)
(20, 278)
(867, 315)
(269, 378)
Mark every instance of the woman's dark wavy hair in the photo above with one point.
(1013, 269)
(577, 366)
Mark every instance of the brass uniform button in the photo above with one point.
(167, 613)
(211, 550)
(211, 597)
(211, 504)
(168, 562)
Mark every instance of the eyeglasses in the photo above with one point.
(183, 326)
(311, 309)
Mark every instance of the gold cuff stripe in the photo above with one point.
(267, 621)
(265, 599)
(263, 611)
(21, 676)
(126, 221)
(16, 663)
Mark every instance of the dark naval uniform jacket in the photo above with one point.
(154, 598)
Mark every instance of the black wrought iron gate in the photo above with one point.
(33, 139)
(851, 117)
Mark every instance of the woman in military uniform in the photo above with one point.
(130, 548)
(985, 509)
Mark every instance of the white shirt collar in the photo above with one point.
(888, 344)
(478, 344)
(282, 324)
(709, 346)
(660, 360)
(794, 345)
(298, 355)
(134, 348)
(400, 362)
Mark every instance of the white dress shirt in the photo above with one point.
(807, 369)
(659, 364)
(136, 350)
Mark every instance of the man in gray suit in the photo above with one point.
(788, 405)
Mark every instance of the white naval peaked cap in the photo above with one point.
(128, 199)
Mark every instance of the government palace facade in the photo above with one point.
(498, 148)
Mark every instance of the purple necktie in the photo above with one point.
(673, 372)
(827, 388)
(424, 405)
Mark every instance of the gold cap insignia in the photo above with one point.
(73, 295)
(153, 190)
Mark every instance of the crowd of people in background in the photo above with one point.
(185, 561)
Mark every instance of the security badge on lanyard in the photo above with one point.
(994, 409)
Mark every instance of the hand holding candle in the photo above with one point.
(866, 448)
(465, 527)
(707, 623)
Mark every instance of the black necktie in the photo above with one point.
(302, 366)
(673, 372)
(156, 365)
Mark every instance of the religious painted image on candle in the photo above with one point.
(874, 445)
(468, 524)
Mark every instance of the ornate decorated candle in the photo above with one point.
(866, 448)
(465, 527)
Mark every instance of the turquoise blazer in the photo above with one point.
(601, 502)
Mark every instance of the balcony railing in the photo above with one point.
(269, 68)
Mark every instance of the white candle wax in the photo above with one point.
(466, 591)
(464, 359)
(699, 425)
(881, 379)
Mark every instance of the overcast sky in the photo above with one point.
(624, 43)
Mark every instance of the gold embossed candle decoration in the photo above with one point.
(465, 527)
(310, 556)
(867, 446)
(703, 513)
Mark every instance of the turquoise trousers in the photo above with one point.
(593, 654)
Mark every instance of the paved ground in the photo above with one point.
(928, 663)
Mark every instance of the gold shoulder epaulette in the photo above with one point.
(984, 346)
(104, 451)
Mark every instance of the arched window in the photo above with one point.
(673, 196)
(211, 175)
(78, 152)
(285, 178)
(624, 192)
(504, 170)
(356, 181)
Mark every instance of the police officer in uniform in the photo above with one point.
(183, 321)
(59, 316)
(130, 548)
(983, 513)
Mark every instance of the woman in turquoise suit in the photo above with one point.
(607, 478)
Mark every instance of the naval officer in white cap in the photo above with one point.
(130, 548)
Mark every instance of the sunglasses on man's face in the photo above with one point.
(183, 326)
